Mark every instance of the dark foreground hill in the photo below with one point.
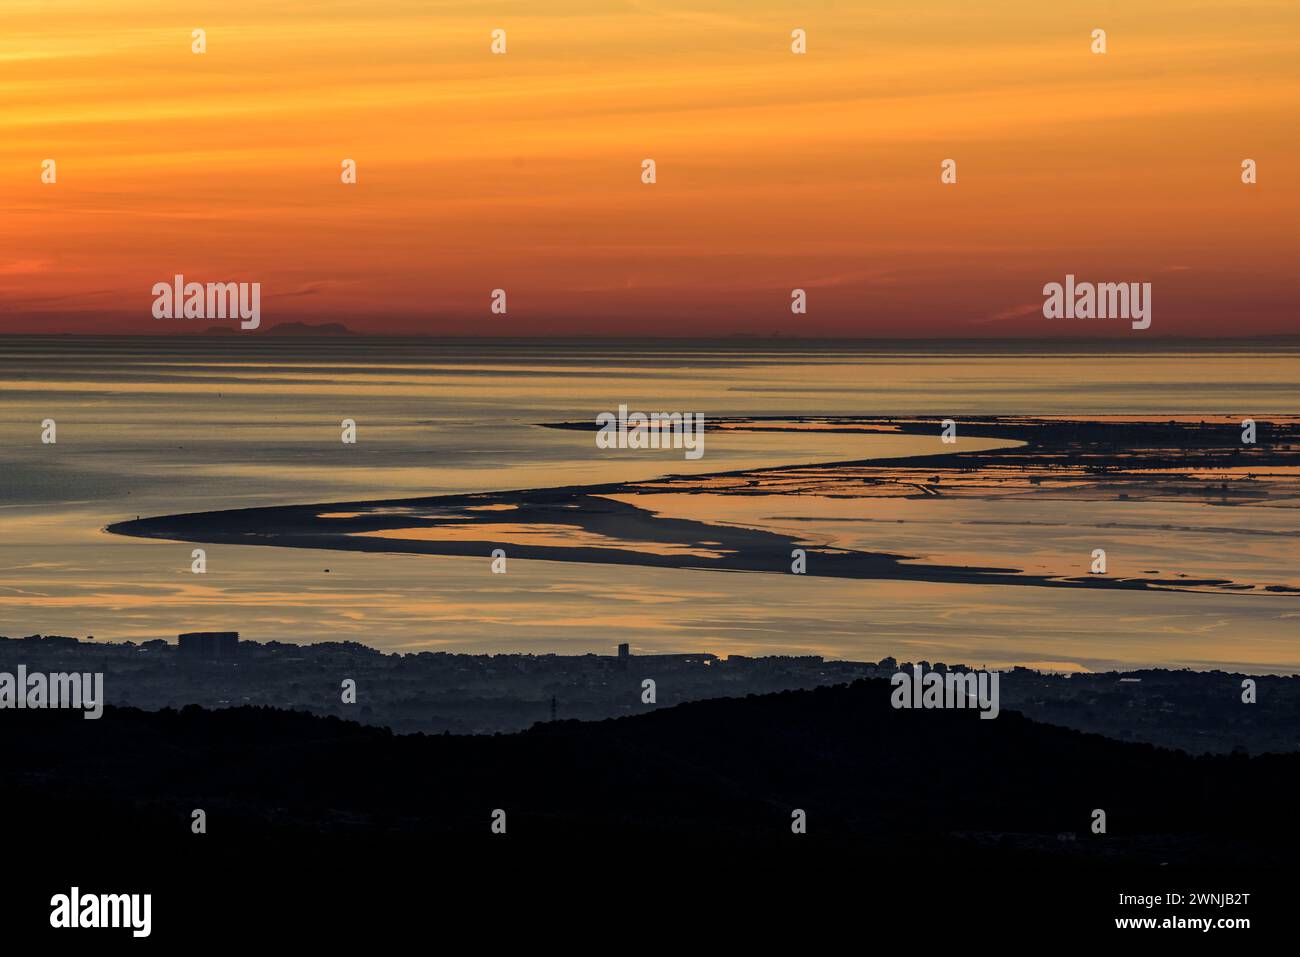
(718, 771)
(671, 793)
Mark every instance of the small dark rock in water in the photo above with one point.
(327, 571)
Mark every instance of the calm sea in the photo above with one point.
(156, 426)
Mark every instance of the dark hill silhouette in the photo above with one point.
(917, 820)
(720, 771)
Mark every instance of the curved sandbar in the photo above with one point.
(585, 524)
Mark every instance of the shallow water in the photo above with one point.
(151, 427)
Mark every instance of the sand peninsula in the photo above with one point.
(1195, 460)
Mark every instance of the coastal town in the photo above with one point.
(444, 693)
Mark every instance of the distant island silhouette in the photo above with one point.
(286, 329)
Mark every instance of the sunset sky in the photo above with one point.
(775, 170)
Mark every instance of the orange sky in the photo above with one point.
(775, 170)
